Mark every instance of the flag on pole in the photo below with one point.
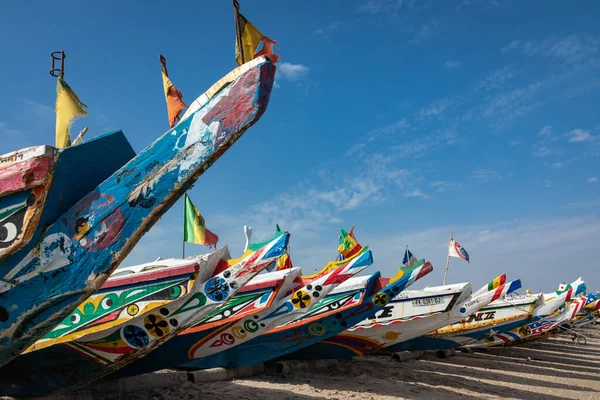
(284, 262)
(248, 40)
(456, 250)
(173, 96)
(409, 259)
(194, 227)
(68, 107)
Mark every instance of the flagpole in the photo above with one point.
(238, 32)
(447, 259)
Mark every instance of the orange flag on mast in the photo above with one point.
(173, 96)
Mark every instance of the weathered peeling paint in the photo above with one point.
(41, 294)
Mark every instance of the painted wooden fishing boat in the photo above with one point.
(68, 366)
(38, 184)
(127, 293)
(43, 283)
(543, 318)
(537, 328)
(499, 316)
(330, 317)
(410, 314)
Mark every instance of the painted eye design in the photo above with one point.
(11, 221)
(75, 319)
(106, 303)
(8, 232)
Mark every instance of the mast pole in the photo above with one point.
(447, 259)
(238, 32)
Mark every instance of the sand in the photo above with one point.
(553, 369)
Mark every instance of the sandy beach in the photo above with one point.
(553, 369)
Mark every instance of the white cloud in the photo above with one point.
(592, 180)
(571, 50)
(436, 108)
(557, 165)
(536, 257)
(542, 152)
(515, 143)
(579, 135)
(546, 131)
(416, 193)
(547, 183)
(399, 126)
(391, 7)
(585, 204)
(426, 32)
(451, 64)
(292, 72)
(485, 175)
(327, 32)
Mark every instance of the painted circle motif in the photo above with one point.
(227, 339)
(135, 336)
(175, 291)
(391, 335)
(251, 326)
(133, 309)
(301, 299)
(156, 325)
(106, 303)
(525, 330)
(317, 329)
(380, 299)
(217, 289)
(75, 319)
(239, 332)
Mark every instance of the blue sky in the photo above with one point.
(410, 119)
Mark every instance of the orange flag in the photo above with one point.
(173, 96)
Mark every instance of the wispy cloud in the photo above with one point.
(569, 50)
(485, 175)
(557, 165)
(579, 135)
(391, 7)
(416, 193)
(546, 131)
(426, 32)
(592, 180)
(292, 72)
(451, 64)
(442, 186)
(515, 143)
(436, 108)
(542, 152)
(585, 204)
(399, 126)
(547, 183)
(327, 32)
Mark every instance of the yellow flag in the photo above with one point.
(251, 38)
(68, 107)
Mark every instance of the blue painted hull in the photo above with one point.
(169, 355)
(437, 343)
(80, 250)
(299, 336)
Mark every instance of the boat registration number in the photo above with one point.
(429, 301)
